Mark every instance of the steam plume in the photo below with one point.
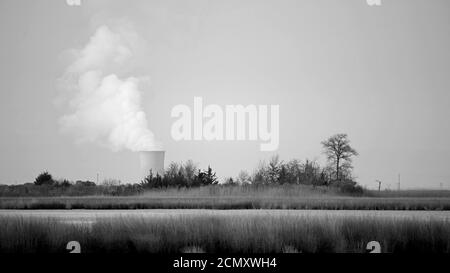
(105, 108)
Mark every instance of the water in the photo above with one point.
(89, 217)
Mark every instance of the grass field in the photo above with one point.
(337, 203)
(238, 197)
(225, 233)
(286, 226)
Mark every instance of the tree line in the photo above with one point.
(337, 172)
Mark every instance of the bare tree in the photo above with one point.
(244, 178)
(189, 170)
(339, 152)
(273, 169)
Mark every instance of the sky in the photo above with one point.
(378, 73)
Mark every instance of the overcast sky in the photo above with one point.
(379, 74)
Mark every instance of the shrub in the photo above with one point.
(205, 178)
(178, 175)
(63, 183)
(348, 186)
(152, 181)
(44, 178)
(229, 182)
(85, 183)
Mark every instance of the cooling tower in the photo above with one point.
(151, 160)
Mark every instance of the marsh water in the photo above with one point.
(91, 216)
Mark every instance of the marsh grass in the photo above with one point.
(289, 249)
(192, 249)
(228, 202)
(225, 234)
(409, 193)
(241, 197)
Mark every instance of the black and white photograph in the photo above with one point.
(243, 130)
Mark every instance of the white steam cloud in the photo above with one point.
(105, 108)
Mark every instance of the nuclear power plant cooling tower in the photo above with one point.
(151, 160)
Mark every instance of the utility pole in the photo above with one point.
(379, 185)
(97, 178)
(399, 182)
